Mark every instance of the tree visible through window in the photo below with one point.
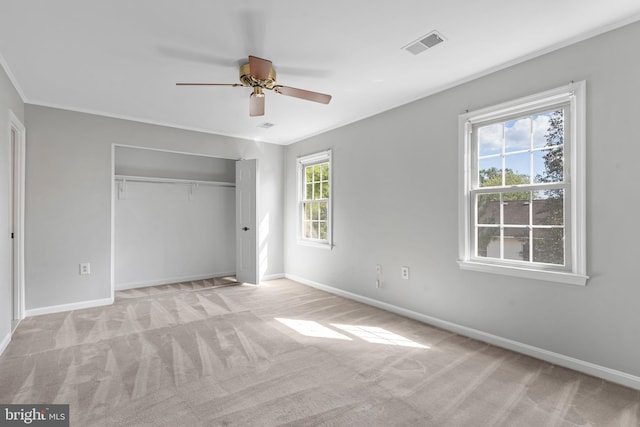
(522, 187)
(316, 201)
(522, 225)
(315, 174)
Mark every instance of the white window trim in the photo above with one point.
(573, 93)
(319, 157)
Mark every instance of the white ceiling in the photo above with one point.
(122, 58)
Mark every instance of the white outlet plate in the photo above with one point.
(85, 268)
(405, 273)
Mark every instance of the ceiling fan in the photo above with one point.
(258, 74)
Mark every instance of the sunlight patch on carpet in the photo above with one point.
(310, 328)
(376, 335)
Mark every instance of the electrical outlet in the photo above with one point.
(85, 268)
(405, 273)
(378, 275)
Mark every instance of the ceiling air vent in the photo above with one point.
(425, 42)
(266, 125)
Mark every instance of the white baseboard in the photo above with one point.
(170, 280)
(5, 342)
(68, 307)
(603, 372)
(272, 277)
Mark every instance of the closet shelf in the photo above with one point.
(133, 178)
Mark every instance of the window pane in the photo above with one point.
(516, 210)
(490, 172)
(307, 211)
(516, 243)
(316, 190)
(325, 171)
(517, 169)
(488, 208)
(314, 211)
(539, 170)
(307, 229)
(316, 173)
(549, 165)
(517, 135)
(308, 171)
(488, 244)
(548, 207)
(555, 131)
(323, 211)
(490, 139)
(548, 245)
(540, 128)
(324, 192)
(309, 193)
(314, 230)
(323, 231)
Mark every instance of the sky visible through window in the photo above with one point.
(517, 135)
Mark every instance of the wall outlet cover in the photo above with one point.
(85, 268)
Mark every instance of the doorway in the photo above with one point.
(183, 207)
(16, 201)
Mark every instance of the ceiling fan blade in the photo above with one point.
(303, 94)
(209, 84)
(259, 68)
(256, 105)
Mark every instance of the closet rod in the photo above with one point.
(133, 178)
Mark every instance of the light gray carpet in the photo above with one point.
(284, 354)
(194, 285)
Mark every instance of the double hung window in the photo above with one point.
(315, 198)
(522, 195)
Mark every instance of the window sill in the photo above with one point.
(313, 244)
(527, 273)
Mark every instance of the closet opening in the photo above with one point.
(174, 217)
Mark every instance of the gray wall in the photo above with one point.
(395, 194)
(68, 200)
(9, 100)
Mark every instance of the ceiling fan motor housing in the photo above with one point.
(248, 80)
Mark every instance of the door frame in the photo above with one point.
(16, 203)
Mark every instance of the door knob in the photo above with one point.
(245, 228)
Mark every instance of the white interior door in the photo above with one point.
(246, 221)
(17, 142)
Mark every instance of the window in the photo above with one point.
(522, 203)
(315, 198)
